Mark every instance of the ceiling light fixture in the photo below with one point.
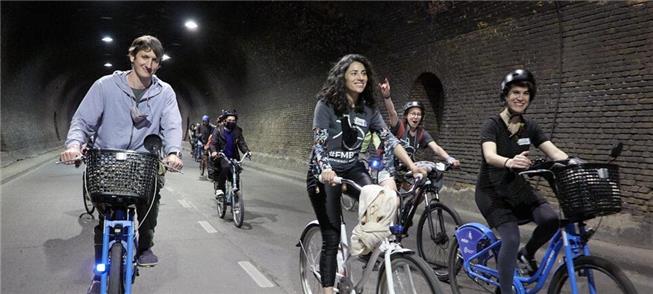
(191, 25)
(165, 57)
(107, 39)
(108, 65)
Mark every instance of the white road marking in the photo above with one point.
(207, 227)
(255, 274)
(184, 203)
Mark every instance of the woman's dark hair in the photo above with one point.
(333, 90)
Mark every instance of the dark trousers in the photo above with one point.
(222, 169)
(326, 204)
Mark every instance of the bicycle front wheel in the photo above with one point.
(88, 204)
(115, 285)
(593, 275)
(238, 209)
(410, 274)
(309, 260)
(434, 234)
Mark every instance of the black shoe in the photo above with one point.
(528, 262)
(147, 258)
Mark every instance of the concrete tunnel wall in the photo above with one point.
(593, 63)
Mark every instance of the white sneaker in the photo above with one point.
(218, 193)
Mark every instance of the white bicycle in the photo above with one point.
(402, 270)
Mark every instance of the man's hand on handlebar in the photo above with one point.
(418, 172)
(70, 155)
(173, 162)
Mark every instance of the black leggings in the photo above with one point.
(326, 203)
(547, 224)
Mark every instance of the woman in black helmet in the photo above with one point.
(409, 130)
(504, 198)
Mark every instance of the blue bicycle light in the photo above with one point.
(375, 163)
(100, 267)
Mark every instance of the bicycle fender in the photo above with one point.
(472, 237)
(308, 225)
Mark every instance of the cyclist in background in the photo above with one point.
(504, 198)
(138, 103)
(410, 130)
(203, 132)
(227, 139)
(192, 138)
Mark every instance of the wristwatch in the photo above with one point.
(175, 153)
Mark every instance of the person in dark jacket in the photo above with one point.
(226, 140)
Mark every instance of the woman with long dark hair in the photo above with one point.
(344, 113)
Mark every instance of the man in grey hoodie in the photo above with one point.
(120, 110)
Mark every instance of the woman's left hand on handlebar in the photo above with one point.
(416, 170)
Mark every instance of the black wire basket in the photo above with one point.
(120, 177)
(588, 190)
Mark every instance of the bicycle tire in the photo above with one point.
(435, 250)
(88, 204)
(238, 209)
(597, 265)
(115, 284)
(309, 260)
(405, 268)
(221, 200)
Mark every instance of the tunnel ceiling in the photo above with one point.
(68, 36)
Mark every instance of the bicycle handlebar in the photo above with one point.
(341, 180)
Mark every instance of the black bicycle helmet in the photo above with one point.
(412, 104)
(518, 76)
(232, 112)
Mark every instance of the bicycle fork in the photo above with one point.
(118, 231)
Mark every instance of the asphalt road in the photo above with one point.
(47, 247)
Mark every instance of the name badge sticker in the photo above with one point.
(524, 141)
(360, 122)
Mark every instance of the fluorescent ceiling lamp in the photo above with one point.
(107, 39)
(165, 57)
(108, 65)
(191, 25)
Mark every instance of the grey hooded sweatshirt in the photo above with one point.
(105, 114)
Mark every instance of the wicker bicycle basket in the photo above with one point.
(588, 190)
(120, 177)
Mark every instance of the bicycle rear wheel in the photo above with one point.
(410, 274)
(593, 275)
(309, 260)
(458, 279)
(115, 284)
(434, 234)
(238, 209)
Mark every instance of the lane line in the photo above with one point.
(184, 203)
(255, 274)
(207, 227)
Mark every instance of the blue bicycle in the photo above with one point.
(584, 191)
(116, 180)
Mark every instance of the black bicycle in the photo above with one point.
(438, 221)
(233, 195)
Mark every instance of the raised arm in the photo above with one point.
(387, 101)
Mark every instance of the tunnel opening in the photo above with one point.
(428, 89)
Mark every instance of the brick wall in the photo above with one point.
(592, 61)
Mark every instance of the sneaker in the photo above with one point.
(147, 258)
(94, 287)
(528, 262)
(218, 193)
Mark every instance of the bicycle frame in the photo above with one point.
(566, 239)
(124, 220)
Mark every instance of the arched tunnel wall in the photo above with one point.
(593, 62)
